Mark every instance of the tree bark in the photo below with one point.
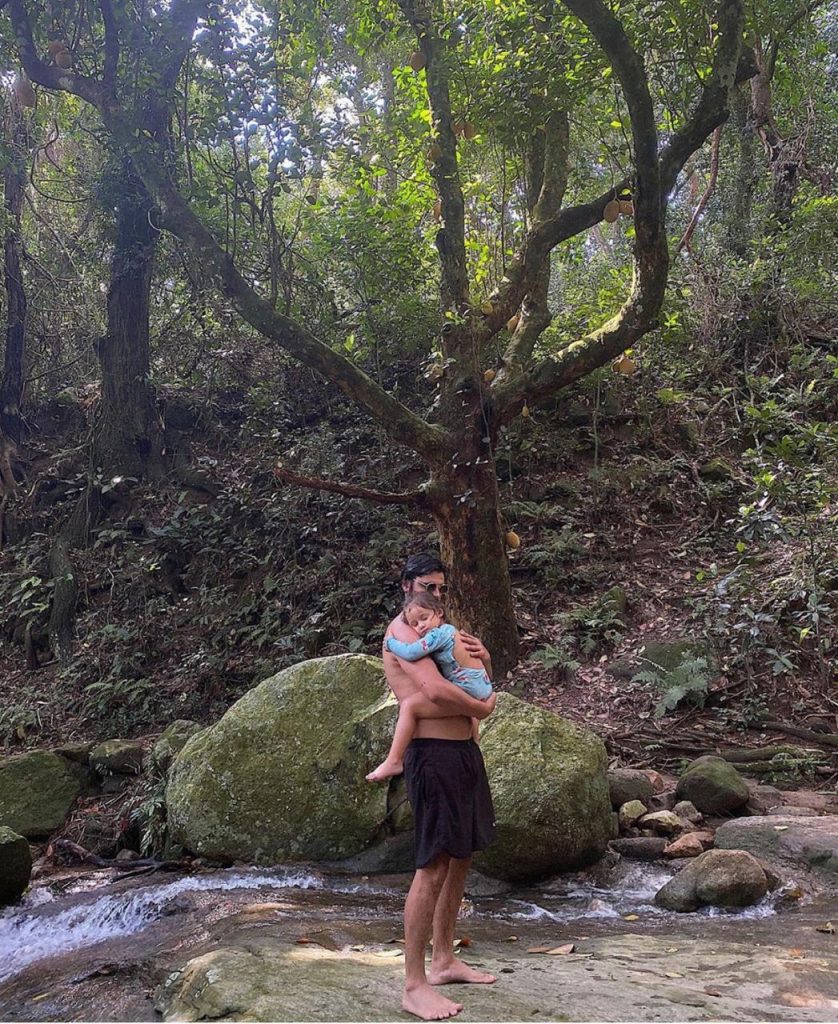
(127, 436)
(14, 185)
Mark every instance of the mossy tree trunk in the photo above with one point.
(127, 436)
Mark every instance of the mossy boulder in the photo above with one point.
(172, 740)
(550, 793)
(281, 776)
(37, 792)
(717, 878)
(117, 757)
(15, 865)
(713, 786)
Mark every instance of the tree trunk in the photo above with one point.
(465, 503)
(127, 436)
(739, 231)
(14, 183)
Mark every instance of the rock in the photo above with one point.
(793, 811)
(822, 802)
(77, 752)
(720, 878)
(117, 757)
(15, 866)
(713, 786)
(627, 784)
(705, 837)
(37, 792)
(640, 848)
(615, 825)
(391, 856)
(716, 470)
(172, 740)
(763, 798)
(127, 855)
(281, 775)
(659, 784)
(666, 655)
(802, 842)
(630, 813)
(688, 810)
(549, 790)
(662, 822)
(686, 846)
(663, 801)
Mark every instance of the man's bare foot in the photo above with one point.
(386, 770)
(458, 973)
(423, 1002)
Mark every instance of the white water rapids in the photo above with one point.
(26, 936)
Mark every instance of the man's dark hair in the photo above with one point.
(421, 565)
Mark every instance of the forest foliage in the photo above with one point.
(496, 233)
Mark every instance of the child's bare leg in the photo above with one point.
(409, 712)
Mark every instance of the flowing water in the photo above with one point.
(92, 946)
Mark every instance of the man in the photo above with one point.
(452, 807)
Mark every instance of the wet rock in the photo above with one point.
(662, 822)
(631, 813)
(803, 842)
(686, 846)
(117, 757)
(713, 786)
(549, 790)
(15, 866)
(688, 810)
(639, 848)
(627, 784)
(391, 856)
(720, 878)
(37, 792)
(172, 740)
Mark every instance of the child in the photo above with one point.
(441, 640)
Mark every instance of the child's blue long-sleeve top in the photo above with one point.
(439, 643)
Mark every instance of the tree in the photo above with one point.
(458, 440)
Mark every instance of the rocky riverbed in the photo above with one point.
(301, 944)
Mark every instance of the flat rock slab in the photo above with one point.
(803, 842)
(628, 977)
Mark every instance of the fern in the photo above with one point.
(687, 681)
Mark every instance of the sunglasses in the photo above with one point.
(433, 588)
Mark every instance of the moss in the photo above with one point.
(37, 791)
(281, 775)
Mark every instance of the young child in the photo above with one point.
(441, 640)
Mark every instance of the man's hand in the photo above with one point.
(477, 649)
(488, 706)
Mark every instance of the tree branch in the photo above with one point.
(317, 483)
(451, 244)
(684, 243)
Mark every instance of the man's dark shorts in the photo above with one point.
(449, 793)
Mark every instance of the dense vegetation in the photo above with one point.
(292, 291)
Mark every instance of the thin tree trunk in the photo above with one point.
(739, 232)
(14, 184)
(127, 436)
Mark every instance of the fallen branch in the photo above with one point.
(826, 739)
(317, 483)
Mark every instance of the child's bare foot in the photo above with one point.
(427, 1004)
(386, 770)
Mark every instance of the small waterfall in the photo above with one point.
(26, 937)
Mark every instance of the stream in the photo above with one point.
(86, 945)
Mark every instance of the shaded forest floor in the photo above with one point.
(655, 484)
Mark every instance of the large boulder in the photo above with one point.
(281, 775)
(802, 842)
(718, 878)
(713, 785)
(117, 757)
(549, 789)
(37, 792)
(15, 865)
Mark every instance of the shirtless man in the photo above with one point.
(452, 807)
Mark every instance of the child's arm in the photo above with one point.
(433, 640)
